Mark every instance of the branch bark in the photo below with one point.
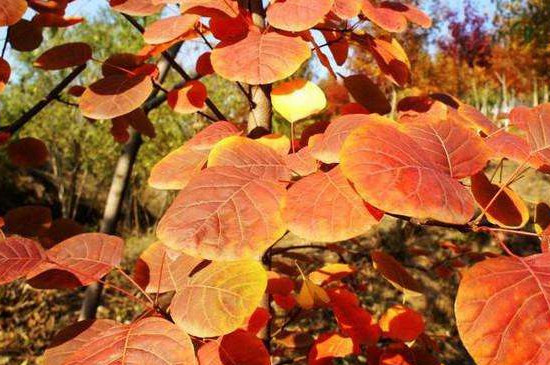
(37, 108)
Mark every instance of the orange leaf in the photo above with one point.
(64, 56)
(176, 169)
(11, 11)
(210, 8)
(508, 210)
(263, 57)
(390, 171)
(18, 256)
(302, 162)
(329, 346)
(188, 99)
(385, 18)
(346, 9)
(297, 15)
(412, 13)
(252, 156)
(278, 142)
(312, 202)
(239, 347)
(402, 324)
(225, 295)
(515, 148)
(28, 152)
(330, 273)
(311, 295)
(167, 29)
(136, 7)
(502, 310)
(224, 213)
(114, 96)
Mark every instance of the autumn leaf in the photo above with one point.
(297, 15)
(18, 256)
(64, 56)
(11, 11)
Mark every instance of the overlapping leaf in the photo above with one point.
(188, 99)
(401, 323)
(297, 15)
(168, 29)
(329, 346)
(77, 261)
(239, 347)
(323, 207)
(219, 298)
(263, 57)
(210, 8)
(254, 157)
(5, 73)
(176, 169)
(367, 93)
(136, 7)
(224, 213)
(298, 99)
(18, 256)
(390, 171)
(11, 11)
(114, 96)
(503, 310)
(396, 274)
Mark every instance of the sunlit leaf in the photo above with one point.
(502, 310)
(311, 295)
(11, 11)
(114, 96)
(390, 171)
(224, 213)
(401, 323)
(385, 18)
(225, 295)
(329, 346)
(324, 207)
(302, 162)
(263, 57)
(154, 340)
(346, 9)
(210, 8)
(278, 142)
(298, 99)
(167, 29)
(330, 272)
(409, 11)
(176, 169)
(297, 15)
(136, 7)
(188, 99)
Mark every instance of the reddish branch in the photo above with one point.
(37, 108)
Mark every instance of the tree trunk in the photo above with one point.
(113, 205)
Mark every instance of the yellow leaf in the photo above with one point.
(298, 99)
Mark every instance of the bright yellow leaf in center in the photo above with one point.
(298, 99)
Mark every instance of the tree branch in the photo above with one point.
(37, 108)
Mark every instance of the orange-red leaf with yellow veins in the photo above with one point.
(153, 340)
(224, 213)
(250, 155)
(323, 207)
(453, 148)
(136, 7)
(175, 170)
(263, 57)
(297, 15)
(327, 149)
(224, 295)
(503, 310)
(391, 171)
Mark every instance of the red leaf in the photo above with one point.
(204, 65)
(239, 347)
(210, 8)
(402, 324)
(5, 73)
(18, 256)
(28, 221)
(25, 36)
(139, 121)
(258, 321)
(229, 29)
(78, 261)
(64, 56)
(60, 230)
(51, 20)
(329, 346)
(395, 273)
(28, 152)
(367, 93)
(503, 310)
(190, 98)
